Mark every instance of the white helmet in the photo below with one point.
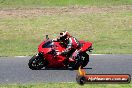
(64, 35)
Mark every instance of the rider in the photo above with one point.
(72, 45)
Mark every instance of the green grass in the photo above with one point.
(65, 85)
(54, 3)
(111, 33)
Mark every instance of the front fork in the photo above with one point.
(41, 55)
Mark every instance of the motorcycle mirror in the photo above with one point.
(47, 37)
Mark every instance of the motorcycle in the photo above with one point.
(47, 56)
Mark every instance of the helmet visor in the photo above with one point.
(61, 33)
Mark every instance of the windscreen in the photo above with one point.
(48, 44)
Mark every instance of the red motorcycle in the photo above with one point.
(47, 56)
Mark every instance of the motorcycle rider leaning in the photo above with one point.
(72, 45)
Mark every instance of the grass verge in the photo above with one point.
(65, 85)
(109, 32)
(60, 3)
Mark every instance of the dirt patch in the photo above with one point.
(35, 12)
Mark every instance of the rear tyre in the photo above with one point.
(82, 60)
(36, 63)
(85, 59)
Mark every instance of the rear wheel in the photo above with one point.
(36, 63)
(85, 59)
(82, 60)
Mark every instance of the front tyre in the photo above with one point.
(36, 63)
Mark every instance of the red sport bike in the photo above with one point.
(47, 56)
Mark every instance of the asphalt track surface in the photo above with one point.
(15, 69)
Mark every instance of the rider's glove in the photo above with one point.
(54, 40)
(58, 53)
(75, 54)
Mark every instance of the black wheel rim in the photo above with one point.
(37, 62)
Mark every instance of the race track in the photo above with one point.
(15, 69)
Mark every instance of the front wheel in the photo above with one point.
(36, 63)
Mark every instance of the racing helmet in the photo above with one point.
(64, 35)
